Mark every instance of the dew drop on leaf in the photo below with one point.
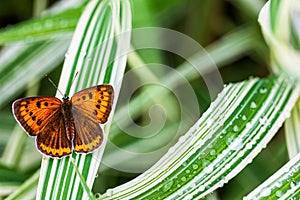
(212, 152)
(109, 192)
(235, 128)
(279, 193)
(201, 188)
(167, 186)
(188, 197)
(263, 90)
(208, 169)
(244, 117)
(253, 105)
(293, 184)
(265, 192)
(183, 178)
(195, 166)
(236, 144)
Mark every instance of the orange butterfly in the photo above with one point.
(60, 126)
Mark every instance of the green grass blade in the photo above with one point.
(236, 127)
(292, 130)
(95, 54)
(278, 19)
(53, 24)
(25, 65)
(284, 184)
(280, 23)
(27, 190)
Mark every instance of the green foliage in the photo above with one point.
(168, 69)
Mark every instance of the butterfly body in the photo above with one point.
(61, 126)
(66, 112)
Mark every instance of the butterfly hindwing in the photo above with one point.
(89, 134)
(53, 140)
(33, 113)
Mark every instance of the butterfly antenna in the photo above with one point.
(49, 79)
(74, 78)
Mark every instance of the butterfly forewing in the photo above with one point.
(33, 113)
(90, 107)
(94, 102)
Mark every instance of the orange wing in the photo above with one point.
(52, 140)
(33, 113)
(41, 117)
(90, 107)
(88, 134)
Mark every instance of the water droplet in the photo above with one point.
(236, 144)
(97, 195)
(235, 128)
(263, 90)
(96, 175)
(293, 184)
(167, 186)
(109, 192)
(265, 192)
(208, 169)
(187, 171)
(188, 197)
(279, 193)
(249, 145)
(171, 150)
(205, 163)
(193, 185)
(278, 184)
(249, 125)
(227, 166)
(212, 152)
(183, 178)
(263, 120)
(195, 166)
(240, 154)
(244, 117)
(201, 188)
(229, 140)
(253, 105)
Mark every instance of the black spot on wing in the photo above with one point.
(38, 104)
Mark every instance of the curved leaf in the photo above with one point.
(236, 127)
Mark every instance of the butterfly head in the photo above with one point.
(65, 98)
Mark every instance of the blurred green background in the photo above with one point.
(220, 26)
